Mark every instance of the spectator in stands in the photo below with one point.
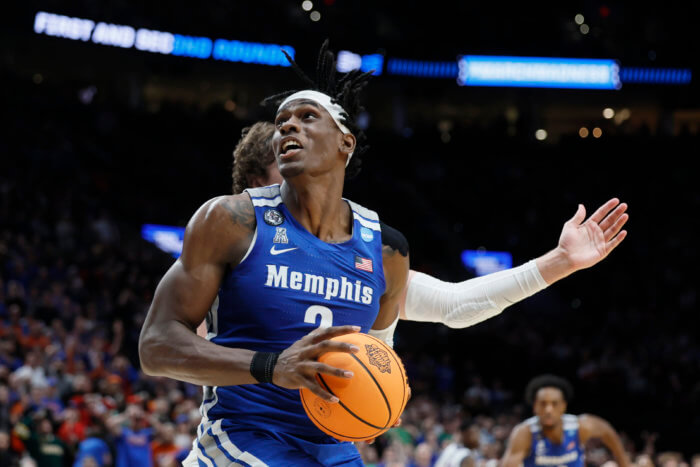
(43, 445)
(8, 458)
(464, 450)
(132, 435)
(93, 450)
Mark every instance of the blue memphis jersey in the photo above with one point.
(543, 452)
(288, 284)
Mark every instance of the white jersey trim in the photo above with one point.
(267, 201)
(271, 191)
(363, 211)
(250, 248)
(534, 424)
(568, 418)
(366, 223)
(265, 196)
(569, 422)
(366, 217)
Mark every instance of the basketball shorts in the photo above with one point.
(219, 445)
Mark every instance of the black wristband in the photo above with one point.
(262, 366)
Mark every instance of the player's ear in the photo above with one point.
(347, 143)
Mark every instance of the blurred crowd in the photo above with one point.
(76, 281)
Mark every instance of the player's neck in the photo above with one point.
(318, 206)
(554, 433)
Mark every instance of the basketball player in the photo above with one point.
(457, 305)
(554, 438)
(284, 269)
(278, 271)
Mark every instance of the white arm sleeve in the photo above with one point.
(386, 334)
(464, 304)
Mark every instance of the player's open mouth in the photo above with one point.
(289, 147)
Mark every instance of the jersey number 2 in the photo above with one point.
(318, 310)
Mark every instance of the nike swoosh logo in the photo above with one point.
(279, 252)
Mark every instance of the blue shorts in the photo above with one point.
(215, 446)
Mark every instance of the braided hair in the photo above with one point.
(344, 91)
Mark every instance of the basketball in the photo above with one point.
(370, 402)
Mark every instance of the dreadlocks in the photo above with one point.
(344, 92)
(548, 381)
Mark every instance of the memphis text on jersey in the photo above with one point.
(557, 460)
(282, 277)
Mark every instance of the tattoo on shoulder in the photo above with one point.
(241, 211)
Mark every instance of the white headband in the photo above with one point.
(336, 111)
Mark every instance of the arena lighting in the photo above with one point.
(166, 43)
(114, 35)
(421, 68)
(485, 262)
(165, 237)
(250, 52)
(431, 69)
(347, 61)
(655, 75)
(538, 72)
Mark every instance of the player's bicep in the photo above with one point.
(518, 447)
(186, 295)
(217, 236)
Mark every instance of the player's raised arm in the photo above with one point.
(592, 426)
(582, 244)
(518, 447)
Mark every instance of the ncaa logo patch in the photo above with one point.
(366, 234)
(273, 217)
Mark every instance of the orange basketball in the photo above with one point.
(370, 402)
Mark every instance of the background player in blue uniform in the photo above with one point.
(553, 437)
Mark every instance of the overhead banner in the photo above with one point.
(538, 72)
(165, 43)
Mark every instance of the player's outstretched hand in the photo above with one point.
(587, 243)
(297, 365)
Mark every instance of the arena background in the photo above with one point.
(98, 140)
